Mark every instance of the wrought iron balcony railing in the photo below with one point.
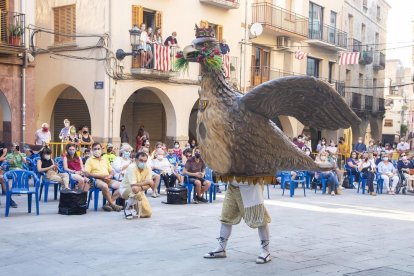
(12, 29)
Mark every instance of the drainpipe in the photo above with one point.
(245, 45)
(110, 103)
(23, 84)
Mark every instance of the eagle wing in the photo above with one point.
(313, 102)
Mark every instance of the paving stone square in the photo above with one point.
(351, 234)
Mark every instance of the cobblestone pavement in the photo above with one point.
(313, 235)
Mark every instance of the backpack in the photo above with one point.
(73, 203)
(346, 184)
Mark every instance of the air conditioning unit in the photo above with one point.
(283, 42)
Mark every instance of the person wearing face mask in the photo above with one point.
(43, 135)
(193, 144)
(360, 147)
(100, 169)
(405, 167)
(403, 146)
(332, 183)
(389, 175)
(367, 168)
(110, 153)
(86, 138)
(187, 154)
(47, 165)
(353, 164)
(73, 136)
(372, 147)
(136, 181)
(177, 151)
(321, 145)
(64, 132)
(122, 162)
(195, 168)
(156, 178)
(165, 168)
(73, 164)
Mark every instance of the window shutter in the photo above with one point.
(203, 24)
(3, 23)
(64, 22)
(137, 15)
(158, 19)
(219, 33)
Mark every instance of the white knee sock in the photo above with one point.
(225, 232)
(264, 237)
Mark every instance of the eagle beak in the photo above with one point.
(190, 53)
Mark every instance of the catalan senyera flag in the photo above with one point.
(162, 58)
(226, 65)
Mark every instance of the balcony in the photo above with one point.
(327, 37)
(366, 57)
(379, 61)
(12, 30)
(368, 103)
(260, 74)
(225, 4)
(280, 21)
(160, 67)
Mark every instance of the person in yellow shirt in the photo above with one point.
(100, 169)
(343, 149)
(136, 181)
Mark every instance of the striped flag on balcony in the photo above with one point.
(300, 55)
(349, 58)
(162, 59)
(226, 65)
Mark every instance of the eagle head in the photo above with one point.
(205, 43)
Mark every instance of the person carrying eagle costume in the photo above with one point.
(248, 147)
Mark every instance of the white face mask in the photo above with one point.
(66, 124)
(176, 146)
(385, 159)
(47, 157)
(160, 157)
(97, 153)
(323, 158)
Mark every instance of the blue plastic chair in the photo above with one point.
(351, 177)
(287, 178)
(61, 169)
(380, 183)
(189, 188)
(362, 183)
(45, 183)
(20, 185)
(213, 187)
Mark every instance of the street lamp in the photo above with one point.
(134, 36)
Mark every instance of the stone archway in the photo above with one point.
(5, 120)
(151, 108)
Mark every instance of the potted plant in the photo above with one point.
(15, 34)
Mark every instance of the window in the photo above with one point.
(150, 18)
(218, 29)
(64, 23)
(312, 68)
(260, 65)
(376, 46)
(388, 123)
(331, 71)
(365, 5)
(363, 28)
(3, 23)
(361, 81)
(351, 25)
(378, 13)
(315, 21)
(348, 77)
(332, 28)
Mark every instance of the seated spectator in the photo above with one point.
(193, 144)
(47, 165)
(73, 136)
(195, 168)
(165, 168)
(122, 162)
(158, 145)
(100, 169)
(395, 154)
(332, 183)
(360, 147)
(156, 178)
(177, 151)
(86, 139)
(86, 155)
(187, 146)
(16, 158)
(136, 181)
(405, 167)
(3, 157)
(321, 145)
(353, 164)
(331, 148)
(367, 168)
(171, 40)
(403, 146)
(388, 150)
(73, 164)
(110, 153)
(300, 142)
(175, 162)
(388, 174)
(188, 153)
(372, 147)
(379, 157)
(308, 152)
